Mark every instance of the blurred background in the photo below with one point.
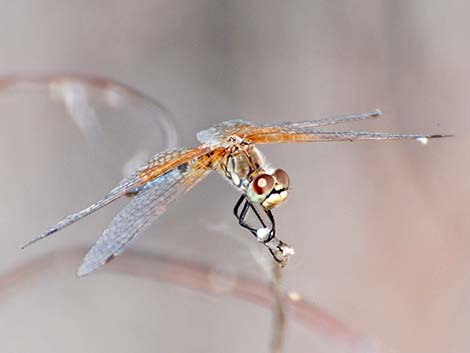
(380, 228)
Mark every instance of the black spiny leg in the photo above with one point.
(272, 228)
(278, 249)
(241, 216)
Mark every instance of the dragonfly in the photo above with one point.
(229, 148)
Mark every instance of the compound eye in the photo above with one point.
(263, 184)
(282, 177)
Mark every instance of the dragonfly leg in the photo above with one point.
(241, 216)
(272, 228)
(237, 206)
(279, 250)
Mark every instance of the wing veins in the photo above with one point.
(151, 203)
(152, 170)
(341, 119)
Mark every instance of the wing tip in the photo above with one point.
(425, 138)
(32, 241)
(24, 246)
(87, 267)
(440, 136)
(377, 112)
(84, 270)
(40, 237)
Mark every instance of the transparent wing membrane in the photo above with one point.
(147, 206)
(306, 131)
(220, 132)
(302, 131)
(328, 121)
(158, 165)
(288, 135)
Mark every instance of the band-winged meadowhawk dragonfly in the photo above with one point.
(229, 148)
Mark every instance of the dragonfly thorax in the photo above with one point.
(241, 164)
(247, 170)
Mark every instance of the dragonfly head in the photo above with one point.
(269, 189)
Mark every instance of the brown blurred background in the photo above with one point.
(381, 229)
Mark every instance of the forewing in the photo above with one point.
(158, 165)
(306, 131)
(148, 204)
(296, 135)
(219, 133)
(302, 131)
(341, 119)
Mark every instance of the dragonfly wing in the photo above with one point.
(341, 119)
(158, 165)
(302, 131)
(149, 204)
(310, 135)
(220, 132)
(74, 217)
(307, 131)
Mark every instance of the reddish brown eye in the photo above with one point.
(263, 184)
(282, 177)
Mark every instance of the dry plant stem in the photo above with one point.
(280, 251)
(191, 275)
(58, 83)
(279, 311)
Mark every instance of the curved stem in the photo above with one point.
(204, 278)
